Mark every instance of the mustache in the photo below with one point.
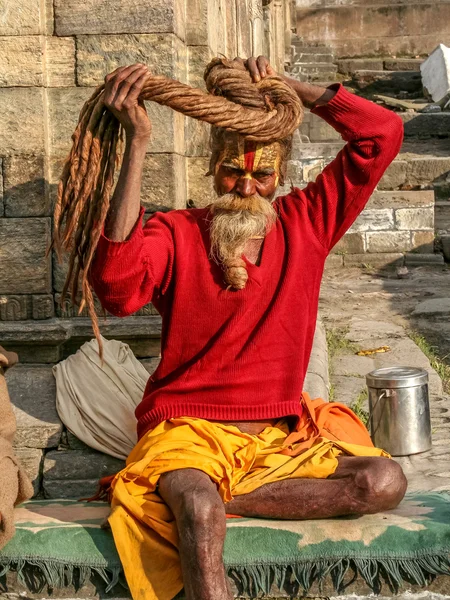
(254, 204)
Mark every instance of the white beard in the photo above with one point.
(235, 221)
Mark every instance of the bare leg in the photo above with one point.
(360, 485)
(200, 516)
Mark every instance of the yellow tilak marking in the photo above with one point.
(258, 153)
(248, 175)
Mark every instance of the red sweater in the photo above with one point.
(242, 355)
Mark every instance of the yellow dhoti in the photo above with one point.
(144, 528)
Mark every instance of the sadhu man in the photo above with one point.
(223, 426)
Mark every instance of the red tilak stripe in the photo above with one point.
(250, 150)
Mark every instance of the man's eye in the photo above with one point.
(262, 175)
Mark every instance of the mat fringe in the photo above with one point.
(57, 575)
(255, 580)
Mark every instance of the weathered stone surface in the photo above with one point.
(380, 260)
(22, 130)
(425, 170)
(388, 81)
(311, 169)
(197, 132)
(433, 306)
(24, 187)
(424, 259)
(351, 243)
(151, 364)
(43, 306)
(307, 151)
(24, 268)
(64, 106)
(442, 216)
(169, 128)
(164, 182)
(15, 308)
(422, 241)
(197, 23)
(98, 55)
(200, 188)
(350, 65)
(31, 459)
(401, 199)
(123, 16)
(403, 64)
(388, 241)
(334, 261)
(21, 17)
(414, 218)
(2, 208)
(385, 29)
(144, 348)
(75, 473)
(445, 241)
(426, 125)
(374, 220)
(394, 176)
(59, 61)
(353, 366)
(33, 392)
(320, 131)
(21, 63)
(347, 388)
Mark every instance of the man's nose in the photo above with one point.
(246, 186)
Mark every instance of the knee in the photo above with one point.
(382, 484)
(201, 512)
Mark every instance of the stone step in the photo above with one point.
(442, 216)
(349, 66)
(377, 82)
(51, 340)
(426, 125)
(312, 58)
(403, 64)
(316, 67)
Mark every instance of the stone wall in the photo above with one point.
(53, 54)
(375, 27)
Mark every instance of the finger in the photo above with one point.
(262, 63)
(111, 75)
(135, 90)
(126, 85)
(239, 60)
(112, 86)
(253, 69)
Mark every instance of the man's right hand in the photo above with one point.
(122, 90)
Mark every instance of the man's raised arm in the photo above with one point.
(131, 262)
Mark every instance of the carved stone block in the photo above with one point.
(21, 63)
(14, 308)
(119, 16)
(24, 267)
(21, 17)
(24, 187)
(22, 130)
(43, 307)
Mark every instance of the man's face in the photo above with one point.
(246, 168)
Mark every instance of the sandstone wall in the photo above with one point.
(375, 27)
(52, 54)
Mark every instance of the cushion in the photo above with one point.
(64, 538)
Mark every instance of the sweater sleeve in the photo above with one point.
(374, 136)
(126, 275)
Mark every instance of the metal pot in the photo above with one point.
(399, 410)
